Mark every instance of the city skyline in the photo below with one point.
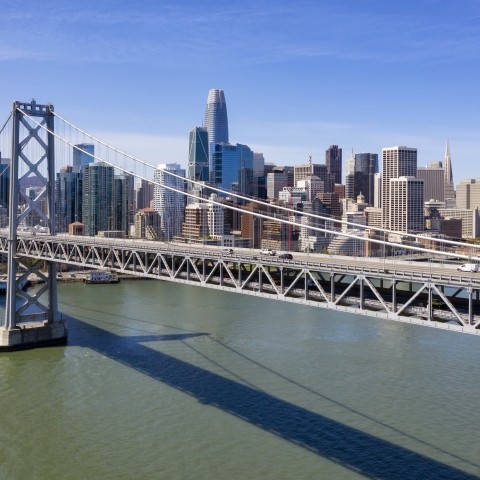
(298, 78)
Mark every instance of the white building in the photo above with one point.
(311, 185)
(405, 212)
(396, 162)
(169, 203)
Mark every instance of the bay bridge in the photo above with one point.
(431, 292)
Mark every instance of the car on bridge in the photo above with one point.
(268, 251)
(469, 267)
(286, 256)
(228, 250)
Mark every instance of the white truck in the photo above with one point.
(469, 267)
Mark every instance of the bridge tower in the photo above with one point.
(31, 319)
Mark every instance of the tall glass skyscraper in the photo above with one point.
(68, 205)
(81, 156)
(198, 155)
(216, 120)
(232, 167)
(360, 176)
(97, 197)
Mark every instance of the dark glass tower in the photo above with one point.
(82, 156)
(360, 178)
(216, 120)
(68, 207)
(333, 159)
(198, 155)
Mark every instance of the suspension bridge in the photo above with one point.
(432, 292)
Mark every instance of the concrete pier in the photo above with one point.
(32, 335)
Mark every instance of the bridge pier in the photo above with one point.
(29, 322)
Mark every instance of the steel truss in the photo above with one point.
(449, 302)
(32, 158)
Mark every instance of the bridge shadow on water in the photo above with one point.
(353, 449)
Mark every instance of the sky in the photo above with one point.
(298, 76)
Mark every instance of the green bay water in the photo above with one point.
(166, 381)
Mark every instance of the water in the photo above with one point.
(164, 381)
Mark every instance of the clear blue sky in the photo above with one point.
(298, 76)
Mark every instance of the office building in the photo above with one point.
(68, 198)
(169, 202)
(198, 155)
(216, 119)
(396, 162)
(333, 159)
(433, 176)
(82, 156)
(470, 218)
(231, 167)
(301, 172)
(144, 194)
(360, 177)
(468, 194)
(97, 197)
(406, 205)
(277, 179)
(4, 181)
(148, 224)
(123, 205)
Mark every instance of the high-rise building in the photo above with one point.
(396, 162)
(468, 194)
(277, 179)
(216, 119)
(68, 198)
(360, 177)
(333, 159)
(169, 203)
(82, 156)
(97, 197)
(198, 155)
(231, 167)
(4, 181)
(449, 186)
(406, 205)
(144, 194)
(433, 176)
(320, 170)
(123, 212)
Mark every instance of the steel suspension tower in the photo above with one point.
(31, 320)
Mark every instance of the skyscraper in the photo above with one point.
(406, 205)
(198, 155)
(216, 120)
(333, 159)
(82, 155)
(232, 167)
(361, 170)
(68, 194)
(449, 187)
(4, 181)
(123, 209)
(396, 162)
(97, 197)
(433, 176)
(169, 203)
